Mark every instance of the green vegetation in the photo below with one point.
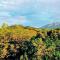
(27, 43)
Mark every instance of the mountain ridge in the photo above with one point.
(52, 25)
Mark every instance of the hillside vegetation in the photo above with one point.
(27, 43)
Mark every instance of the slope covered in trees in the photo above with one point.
(26, 43)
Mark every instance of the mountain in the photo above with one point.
(52, 25)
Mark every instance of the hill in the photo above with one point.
(28, 43)
(52, 25)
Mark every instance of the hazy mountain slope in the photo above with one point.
(52, 25)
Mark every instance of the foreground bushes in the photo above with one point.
(20, 43)
(29, 50)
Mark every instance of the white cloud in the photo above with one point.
(16, 20)
(40, 9)
(21, 19)
(12, 4)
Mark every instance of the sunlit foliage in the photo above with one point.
(27, 43)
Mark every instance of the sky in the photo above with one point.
(35, 13)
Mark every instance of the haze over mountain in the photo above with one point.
(52, 25)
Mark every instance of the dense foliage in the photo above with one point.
(27, 43)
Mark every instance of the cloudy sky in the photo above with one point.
(29, 12)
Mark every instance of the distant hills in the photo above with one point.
(52, 25)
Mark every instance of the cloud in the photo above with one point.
(29, 12)
(20, 19)
(13, 4)
(16, 20)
